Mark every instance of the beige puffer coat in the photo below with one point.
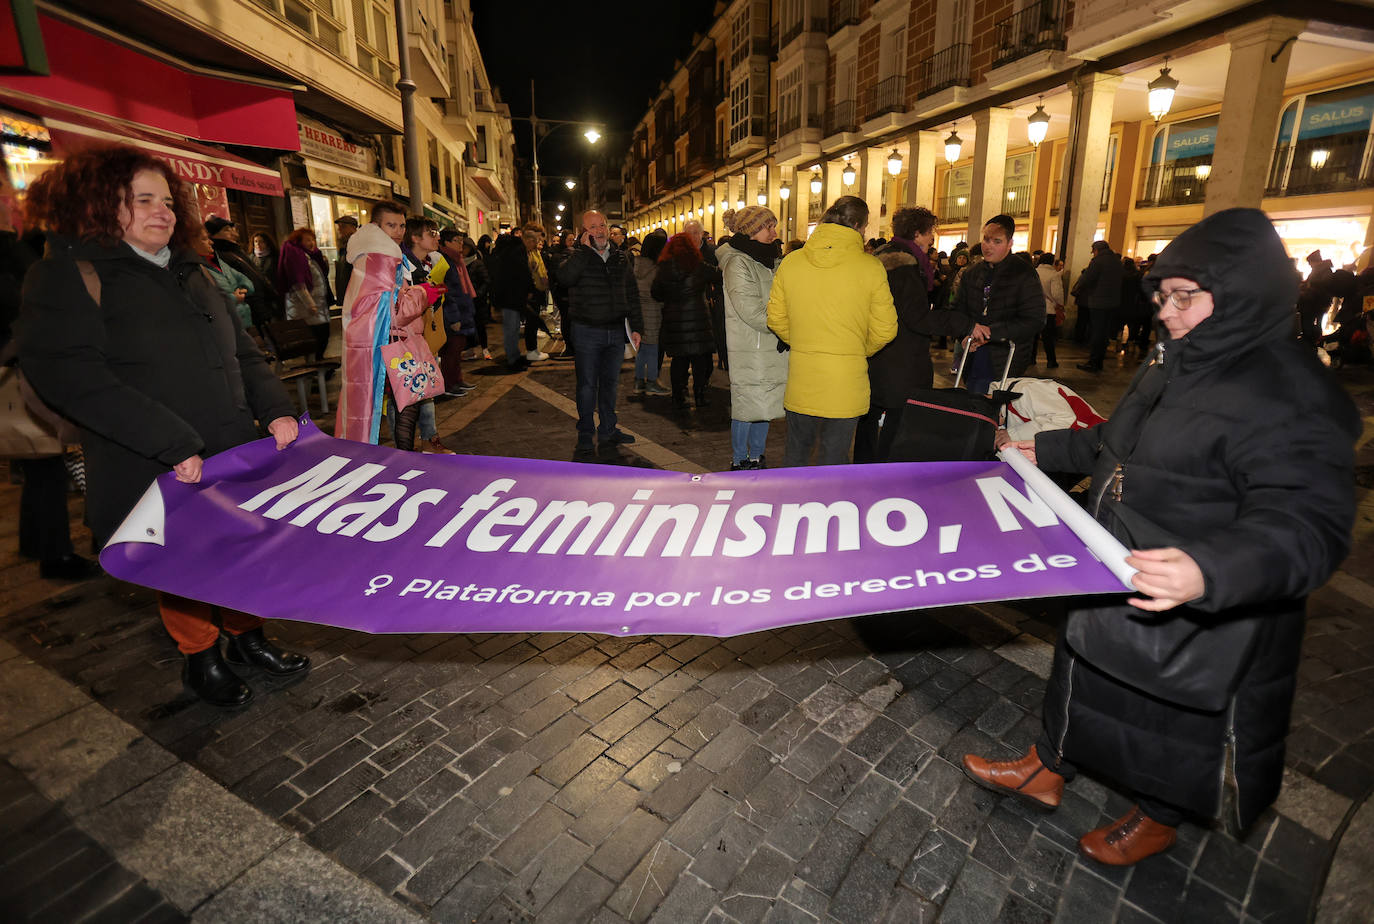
(758, 372)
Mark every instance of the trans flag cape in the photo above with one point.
(365, 537)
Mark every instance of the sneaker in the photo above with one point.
(535, 356)
(653, 388)
(639, 387)
(459, 390)
(486, 354)
(433, 445)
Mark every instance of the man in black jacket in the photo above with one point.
(1002, 300)
(1099, 290)
(604, 297)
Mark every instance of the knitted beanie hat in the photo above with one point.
(751, 220)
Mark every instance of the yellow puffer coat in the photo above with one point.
(830, 302)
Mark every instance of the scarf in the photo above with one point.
(162, 258)
(921, 258)
(765, 254)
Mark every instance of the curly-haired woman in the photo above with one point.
(124, 332)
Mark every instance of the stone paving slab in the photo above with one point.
(804, 774)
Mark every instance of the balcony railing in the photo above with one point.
(1174, 183)
(1016, 200)
(948, 67)
(842, 117)
(797, 121)
(845, 13)
(1335, 163)
(886, 96)
(953, 209)
(1039, 27)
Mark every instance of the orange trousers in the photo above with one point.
(191, 623)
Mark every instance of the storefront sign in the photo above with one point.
(322, 144)
(1194, 142)
(1336, 118)
(334, 181)
(199, 171)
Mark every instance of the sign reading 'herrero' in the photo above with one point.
(366, 537)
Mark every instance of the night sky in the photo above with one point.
(595, 61)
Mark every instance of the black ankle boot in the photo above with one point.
(702, 400)
(207, 676)
(680, 402)
(253, 649)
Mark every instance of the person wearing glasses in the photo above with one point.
(1227, 468)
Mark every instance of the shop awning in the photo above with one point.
(334, 178)
(97, 75)
(489, 189)
(73, 130)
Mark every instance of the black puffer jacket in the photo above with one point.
(158, 372)
(602, 293)
(1237, 445)
(512, 284)
(1013, 308)
(687, 327)
(897, 370)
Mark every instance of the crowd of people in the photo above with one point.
(135, 326)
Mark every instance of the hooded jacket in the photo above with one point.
(159, 371)
(897, 370)
(758, 371)
(830, 303)
(1237, 447)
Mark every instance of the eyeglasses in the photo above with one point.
(1182, 299)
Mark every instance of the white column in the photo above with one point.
(1250, 112)
(871, 164)
(834, 183)
(799, 207)
(925, 148)
(1085, 166)
(989, 168)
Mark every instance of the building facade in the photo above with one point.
(937, 103)
(283, 114)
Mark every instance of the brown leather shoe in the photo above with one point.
(1128, 840)
(1026, 778)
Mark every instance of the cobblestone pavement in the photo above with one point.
(804, 774)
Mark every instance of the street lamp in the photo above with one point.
(848, 174)
(784, 192)
(1162, 92)
(590, 133)
(816, 182)
(894, 163)
(953, 146)
(761, 198)
(1038, 124)
(570, 183)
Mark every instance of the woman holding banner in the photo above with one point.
(124, 332)
(1228, 467)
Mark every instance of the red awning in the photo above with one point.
(97, 75)
(73, 129)
(489, 189)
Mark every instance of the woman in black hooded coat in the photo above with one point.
(1230, 461)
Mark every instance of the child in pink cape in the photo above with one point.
(379, 299)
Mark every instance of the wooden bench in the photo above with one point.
(291, 340)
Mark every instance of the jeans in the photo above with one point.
(646, 362)
(804, 431)
(510, 336)
(429, 427)
(747, 439)
(598, 353)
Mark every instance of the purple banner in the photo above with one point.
(365, 537)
